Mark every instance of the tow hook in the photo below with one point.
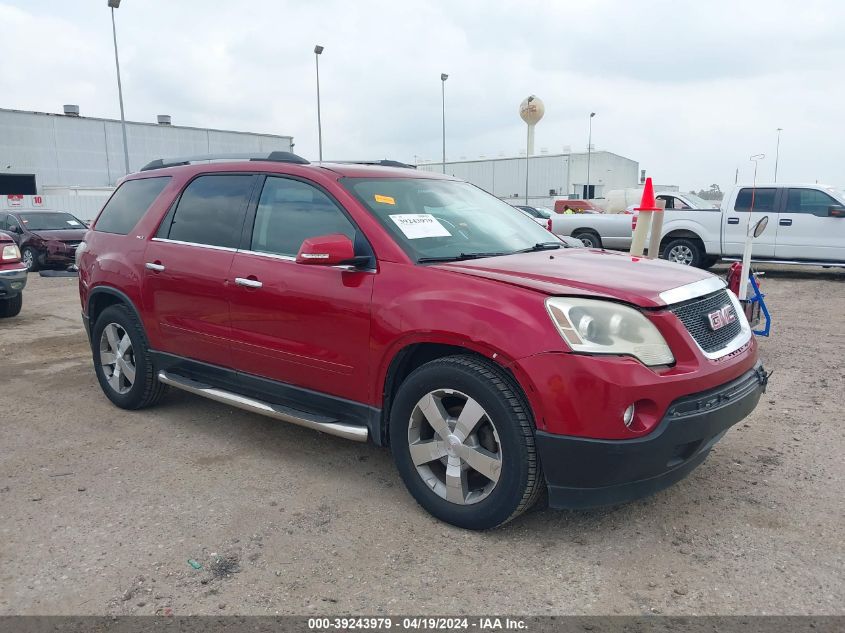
(763, 376)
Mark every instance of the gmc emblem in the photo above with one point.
(721, 317)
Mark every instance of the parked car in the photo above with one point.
(540, 214)
(675, 200)
(12, 277)
(806, 227)
(546, 221)
(415, 310)
(45, 238)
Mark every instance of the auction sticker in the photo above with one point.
(419, 225)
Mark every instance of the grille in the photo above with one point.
(693, 314)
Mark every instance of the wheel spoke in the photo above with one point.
(427, 451)
(114, 379)
(111, 335)
(124, 345)
(436, 415)
(127, 369)
(456, 482)
(482, 460)
(468, 419)
(107, 358)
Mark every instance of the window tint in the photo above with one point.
(211, 210)
(809, 201)
(129, 203)
(764, 199)
(289, 212)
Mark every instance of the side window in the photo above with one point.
(764, 199)
(680, 204)
(4, 221)
(129, 203)
(809, 201)
(668, 200)
(289, 212)
(211, 210)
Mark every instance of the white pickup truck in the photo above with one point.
(806, 226)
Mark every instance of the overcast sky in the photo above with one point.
(688, 89)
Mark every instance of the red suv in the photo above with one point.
(419, 312)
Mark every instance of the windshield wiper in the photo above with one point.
(458, 258)
(541, 246)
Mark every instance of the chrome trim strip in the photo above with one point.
(792, 262)
(13, 272)
(209, 246)
(279, 412)
(286, 258)
(691, 291)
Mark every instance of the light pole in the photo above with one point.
(589, 153)
(443, 78)
(318, 50)
(115, 4)
(777, 154)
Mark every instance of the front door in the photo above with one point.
(755, 203)
(303, 325)
(806, 230)
(186, 267)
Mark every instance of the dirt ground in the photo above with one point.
(102, 509)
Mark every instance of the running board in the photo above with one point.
(791, 262)
(277, 411)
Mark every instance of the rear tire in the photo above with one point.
(11, 307)
(481, 470)
(122, 359)
(684, 251)
(590, 239)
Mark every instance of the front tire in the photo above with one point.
(462, 438)
(122, 359)
(11, 307)
(684, 251)
(29, 257)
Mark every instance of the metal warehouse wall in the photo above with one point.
(79, 151)
(504, 177)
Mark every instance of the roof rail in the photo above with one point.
(276, 157)
(382, 163)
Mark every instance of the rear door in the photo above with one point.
(303, 325)
(805, 228)
(736, 221)
(187, 263)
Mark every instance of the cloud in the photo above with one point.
(690, 90)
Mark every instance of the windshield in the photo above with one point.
(701, 203)
(447, 219)
(50, 221)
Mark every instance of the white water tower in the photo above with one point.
(531, 110)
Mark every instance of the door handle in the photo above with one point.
(733, 220)
(785, 222)
(248, 283)
(153, 266)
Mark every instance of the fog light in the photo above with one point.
(628, 416)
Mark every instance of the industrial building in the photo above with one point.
(550, 176)
(42, 152)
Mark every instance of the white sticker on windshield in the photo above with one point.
(72, 222)
(419, 225)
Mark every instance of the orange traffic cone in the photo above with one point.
(646, 222)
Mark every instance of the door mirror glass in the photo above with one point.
(836, 212)
(761, 225)
(326, 250)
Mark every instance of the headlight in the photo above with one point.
(11, 253)
(601, 327)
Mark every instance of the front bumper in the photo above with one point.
(583, 473)
(12, 282)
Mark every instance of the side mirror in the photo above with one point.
(326, 250)
(761, 225)
(836, 212)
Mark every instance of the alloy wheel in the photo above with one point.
(454, 446)
(28, 258)
(117, 358)
(681, 254)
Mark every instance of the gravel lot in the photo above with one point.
(101, 509)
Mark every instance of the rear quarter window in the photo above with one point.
(129, 203)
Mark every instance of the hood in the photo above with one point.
(585, 272)
(61, 234)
